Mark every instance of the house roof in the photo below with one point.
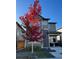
(54, 32)
(59, 28)
(20, 26)
(44, 18)
(51, 22)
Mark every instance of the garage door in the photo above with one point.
(20, 44)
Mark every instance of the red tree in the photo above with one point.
(32, 22)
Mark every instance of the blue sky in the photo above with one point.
(50, 9)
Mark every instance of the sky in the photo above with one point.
(50, 9)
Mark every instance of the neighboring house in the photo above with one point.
(20, 40)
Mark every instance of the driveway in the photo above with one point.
(57, 53)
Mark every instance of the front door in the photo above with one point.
(54, 40)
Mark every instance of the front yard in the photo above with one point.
(39, 52)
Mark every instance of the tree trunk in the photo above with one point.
(32, 47)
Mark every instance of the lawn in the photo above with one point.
(39, 52)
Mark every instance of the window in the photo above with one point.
(44, 23)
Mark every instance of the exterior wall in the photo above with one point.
(45, 38)
(19, 39)
(52, 27)
(44, 25)
(18, 33)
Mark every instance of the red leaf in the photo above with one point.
(32, 22)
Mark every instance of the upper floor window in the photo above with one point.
(44, 23)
